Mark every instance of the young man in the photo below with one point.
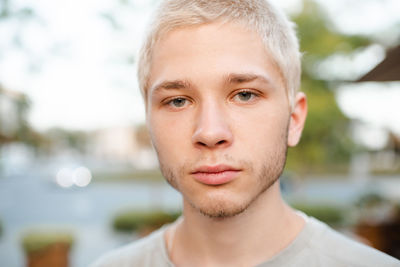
(220, 81)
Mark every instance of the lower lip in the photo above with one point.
(215, 178)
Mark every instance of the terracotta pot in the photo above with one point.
(372, 233)
(55, 255)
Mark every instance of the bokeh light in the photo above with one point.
(64, 178)
(81, 176)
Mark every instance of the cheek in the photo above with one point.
(168, 135)
(261, 128)
(262, 138)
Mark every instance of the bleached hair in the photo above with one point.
(276, 31)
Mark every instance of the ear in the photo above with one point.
(297, 119)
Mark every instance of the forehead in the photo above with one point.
(206, 53)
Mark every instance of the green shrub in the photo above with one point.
(37, 240)
(133, 220)
(327, 213)
(370, 199)
(127, 176)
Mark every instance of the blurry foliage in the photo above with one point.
(153, 175)
(8, 10)
(370, 199)
(74, 139)
(20, 15)
(374, 208)
(318, 38)
(37, 240)
(326, 145)
(4, 8)
(329, 214)
(21, 131)
(134, 220)
(22, 107)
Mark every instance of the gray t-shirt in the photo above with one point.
(316, 245)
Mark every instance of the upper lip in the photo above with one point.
(214, 168)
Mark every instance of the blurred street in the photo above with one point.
(29, 202)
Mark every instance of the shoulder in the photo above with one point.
(331, 246)
(148, 251)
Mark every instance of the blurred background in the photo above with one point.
(78, 175)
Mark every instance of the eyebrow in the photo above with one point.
(238, 78)
(168, 85)
(232, 78)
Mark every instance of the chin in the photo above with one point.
(221, 208)
(221, 213)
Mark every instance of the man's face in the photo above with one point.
(218, 116)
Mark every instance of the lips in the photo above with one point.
(215, 175)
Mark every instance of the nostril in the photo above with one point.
(201, 144)
(221, 142)
(212, 145)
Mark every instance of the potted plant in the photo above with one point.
(47, 248)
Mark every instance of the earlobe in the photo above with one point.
(297, 119)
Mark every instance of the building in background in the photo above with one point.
(388, 158)
(129, 146)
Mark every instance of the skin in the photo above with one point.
(216, 97)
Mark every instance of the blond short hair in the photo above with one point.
(276, 31)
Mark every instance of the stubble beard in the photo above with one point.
(268, 174)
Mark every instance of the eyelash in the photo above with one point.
(253, 94)
(169, 102)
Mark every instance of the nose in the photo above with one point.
(212, 128)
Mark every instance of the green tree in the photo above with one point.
(326, 145)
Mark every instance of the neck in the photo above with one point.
(254, 236)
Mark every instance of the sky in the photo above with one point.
(78, 66)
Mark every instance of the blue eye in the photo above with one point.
(245, 96)
(177, 102)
